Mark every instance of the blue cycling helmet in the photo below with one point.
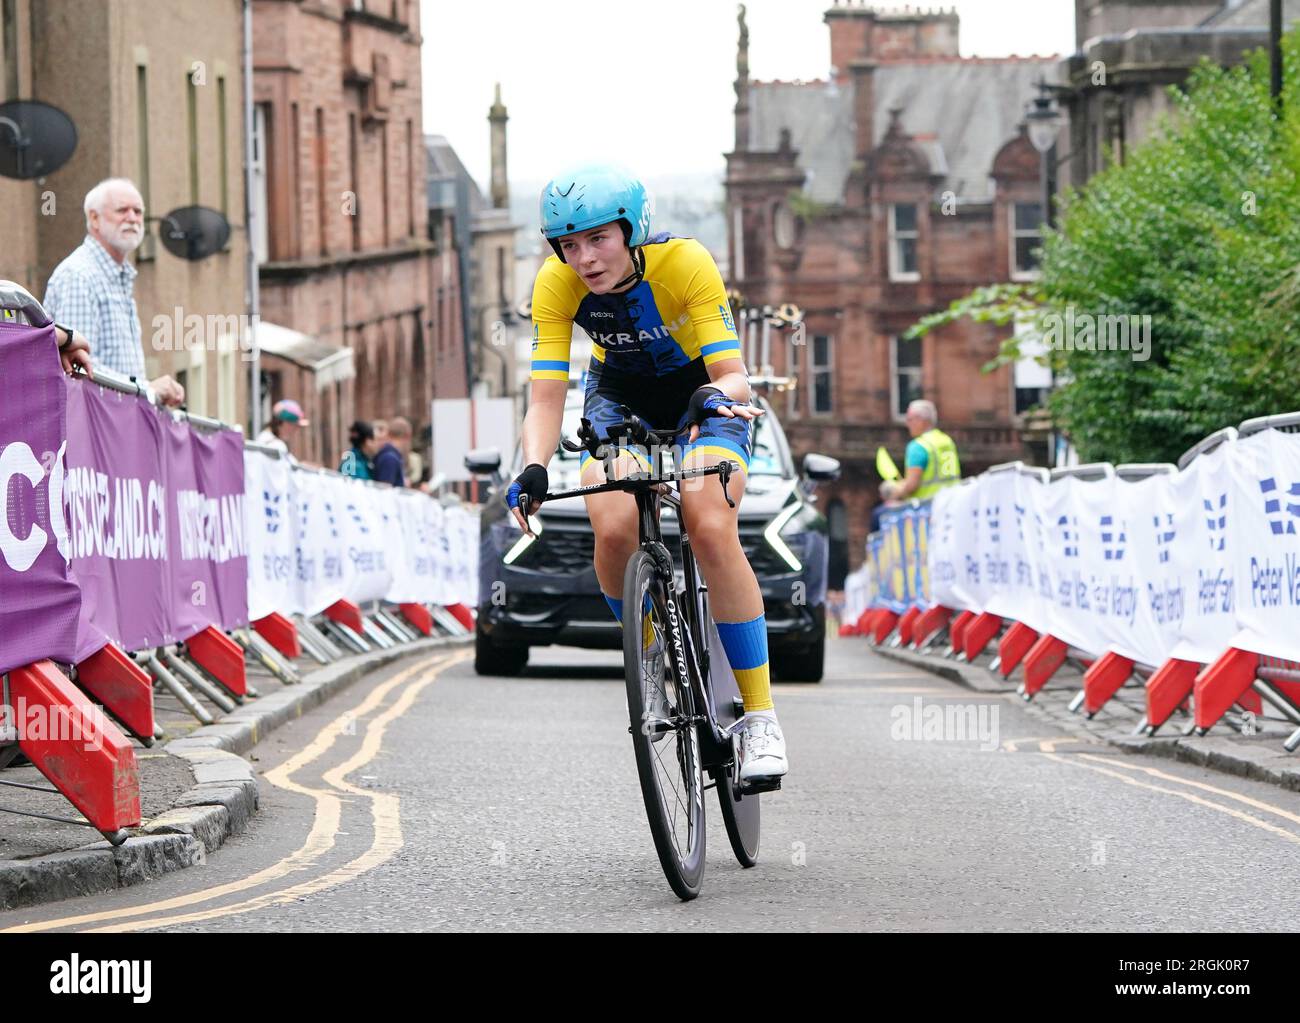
(591, 195)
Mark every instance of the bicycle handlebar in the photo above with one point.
(637, 431)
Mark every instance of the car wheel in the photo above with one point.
(802, 664)
(495, 659)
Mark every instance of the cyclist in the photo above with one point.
(665, 345)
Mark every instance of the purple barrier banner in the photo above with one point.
(156, 517)
(39, 602)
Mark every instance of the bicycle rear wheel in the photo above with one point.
(661, 707)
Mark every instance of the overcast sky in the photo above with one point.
(650, 83)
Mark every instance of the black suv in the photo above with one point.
(536, 592)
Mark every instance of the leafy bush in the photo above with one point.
(1199, 229)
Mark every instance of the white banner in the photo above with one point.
(315, 538)
(1264, 522)
(270, 532)
(1173, 565)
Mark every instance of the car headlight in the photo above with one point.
(508, 537)
(786, 521)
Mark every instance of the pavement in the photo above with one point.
(1251, 750)
(196, 791)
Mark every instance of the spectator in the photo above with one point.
(931, 461)
(389, 461)
(286, 419)
(92, 290)
(887, 502)
(358, 461)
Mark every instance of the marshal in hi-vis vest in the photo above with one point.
(942, 468)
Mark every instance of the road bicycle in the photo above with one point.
(683, 703)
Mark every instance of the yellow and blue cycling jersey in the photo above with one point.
(651, 345)
(677, 314)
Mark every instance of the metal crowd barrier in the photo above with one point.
(1270, 670)
(200, 684)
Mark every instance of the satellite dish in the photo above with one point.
(194, 232)
(525, 309)
(35, 139)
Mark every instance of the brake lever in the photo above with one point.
(724, 477)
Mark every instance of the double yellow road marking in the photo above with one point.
(1121, 770)
(325, 823)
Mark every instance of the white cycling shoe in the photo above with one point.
(656, 699)
(762, 751)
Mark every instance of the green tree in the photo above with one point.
(1199, 229)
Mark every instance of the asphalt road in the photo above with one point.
(426, 798)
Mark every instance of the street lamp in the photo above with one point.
(1043, 123)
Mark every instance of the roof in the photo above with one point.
(330, 363)
(1250, 14)
(966, 109)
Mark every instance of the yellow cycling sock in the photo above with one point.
(746, 647)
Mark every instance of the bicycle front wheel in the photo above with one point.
(661, 707)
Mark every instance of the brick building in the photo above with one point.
(869, 199)
(156, 93)
(339, 178)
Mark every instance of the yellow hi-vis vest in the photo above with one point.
(942, 468)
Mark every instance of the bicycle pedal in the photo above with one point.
(759, 786)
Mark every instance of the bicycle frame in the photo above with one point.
(688, 649)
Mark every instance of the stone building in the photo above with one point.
(156, 92)
(1129, 53)
(899, 183)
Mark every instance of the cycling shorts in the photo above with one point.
(662, 403)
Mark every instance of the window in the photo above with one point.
(146, 250)
(9, 45)
(410, 179)
(1031, 380)
(192, 121)
(905, 354)
(223, 160)
(258, 167)
(354, 157)
(820, 367)
(321, 204)
(796, 371)
(1026, 237)
(903, 235)
(383, 176)
(196, 395)
(295, 133)
(228, 385)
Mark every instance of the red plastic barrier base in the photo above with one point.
(957, 630)
(122, 686)
(1014, 644)
(1221, 685)
(846, 630)
(979, 634)
(906, 623)
(463, 615)
(931, 621)
(221, 657)
(1044, 657)
(281, 633)
(884, 625)
(1103, 680)
(1168, 687)
(862, 627)
(347, 614)
(418, 615)
(76, 747)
